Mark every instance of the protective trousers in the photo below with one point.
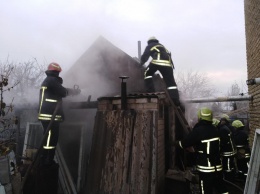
(242, 165)
(243, 159)
(210, 181)
(167, 74)
(50, 142)
(228, 163)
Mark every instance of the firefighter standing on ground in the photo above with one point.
(226, 119)
(51, 93)
(243, 149)
(161, 61)
(228, 147)
(205, 139)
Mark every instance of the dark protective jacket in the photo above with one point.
(160, 55)
(228, 147)
(242, 143)
(51, 92)
(205, 139)
(232, 129)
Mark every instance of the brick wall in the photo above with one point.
(134, 103)
(252, 22)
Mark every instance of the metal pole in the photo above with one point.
(80, 163)
(1, 97)
(141, 69)
(123, 93)
(220, 99)
(139, 50)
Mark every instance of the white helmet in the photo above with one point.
(152, 38)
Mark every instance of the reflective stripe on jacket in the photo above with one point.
(160, 55)
(205, 139)
(51, 92)
(227, 147)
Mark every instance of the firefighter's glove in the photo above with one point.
(73, 92)
(77, 91)
(190, 149)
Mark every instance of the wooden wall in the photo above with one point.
(128, 148)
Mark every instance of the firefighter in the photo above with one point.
(161, 61)
(215, 122)
(226, 119)
(205, 140)
(51, 93)
(228, 148)
(243, 150)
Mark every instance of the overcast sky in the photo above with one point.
(204, 35)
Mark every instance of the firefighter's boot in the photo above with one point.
(149, 86)
(174, 94)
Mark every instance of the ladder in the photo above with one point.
(177, 110)
(173, 173)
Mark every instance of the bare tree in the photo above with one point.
(235, 90)
(7, 118)
(6, 69)
(19, 83)
(29, 75)
(194, 84)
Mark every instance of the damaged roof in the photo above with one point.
(98, 70)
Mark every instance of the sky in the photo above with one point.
(206, 36)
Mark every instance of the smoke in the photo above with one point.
(98, 70)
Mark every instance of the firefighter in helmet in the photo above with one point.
(228, 147)
(161, 61)
(205, 140)
(243, 150)
(215, 122)
(225, 119)
(51, 93)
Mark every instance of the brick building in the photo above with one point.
(252, 25)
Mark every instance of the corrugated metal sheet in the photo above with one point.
(124, 153)
(252, 182)
(148, 94)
